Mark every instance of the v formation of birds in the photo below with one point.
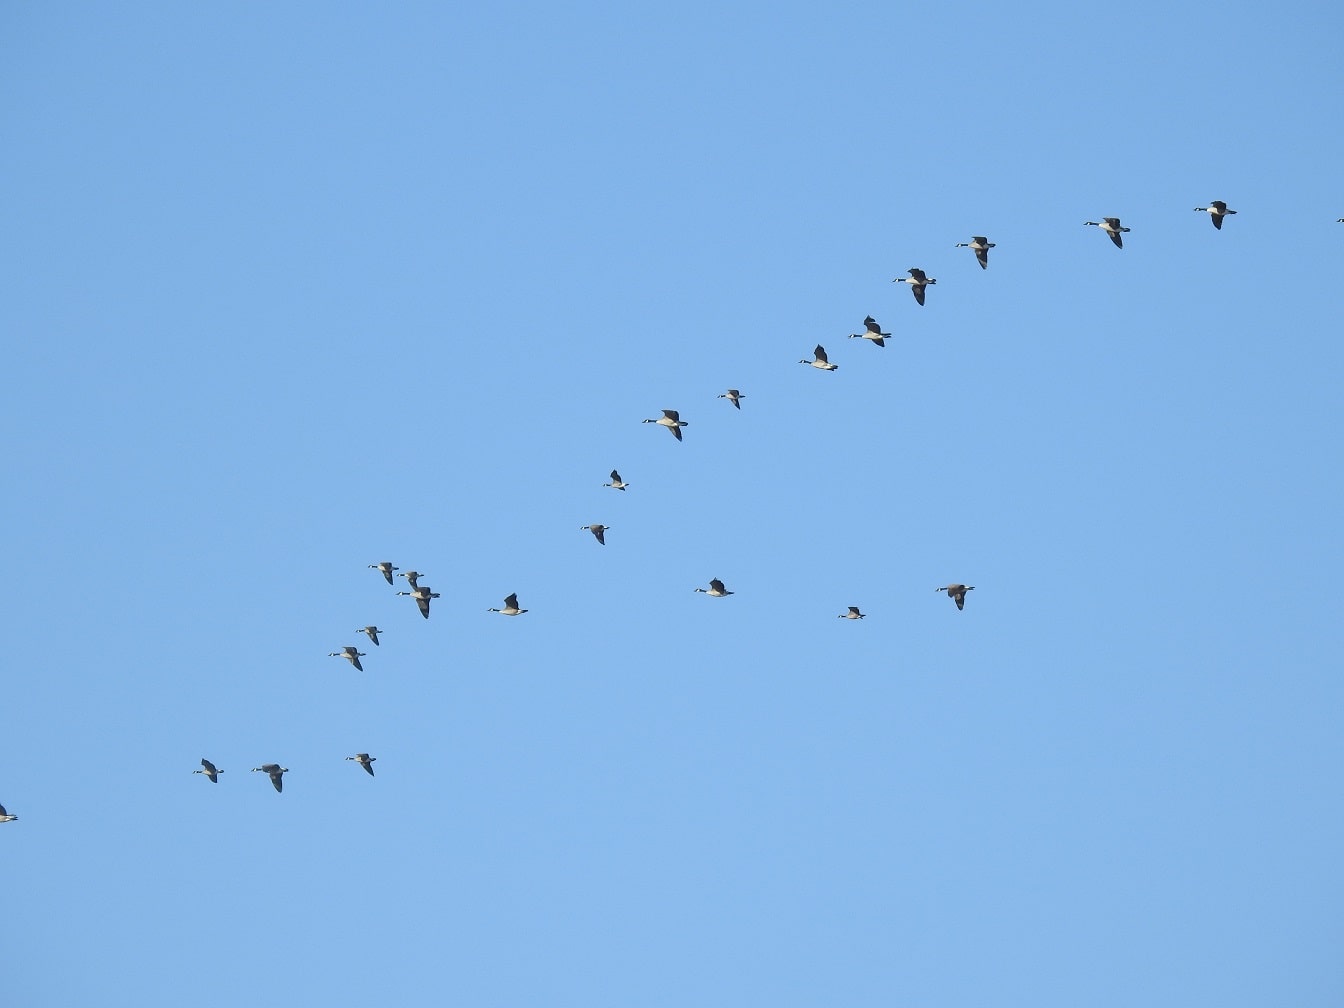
(919, 282)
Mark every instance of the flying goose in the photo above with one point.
(852, 614)
(422, 594)
(872, 331)
(1111, 225)
(957, 593)
(821, 363)
(372, 632)
(364, 760)
(510, 606)
(715, 588)
(733, 395)
(276, 773)
(980, 246)
(671, 421)
(350, 653)
(616, 482)
(1216, 210)
(597, 531)
(6, 817)
(387, 569)
(211, 774)
(917, 280)
(412, 578)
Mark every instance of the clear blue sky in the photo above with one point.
(293, 288)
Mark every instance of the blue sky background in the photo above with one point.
(293, 288)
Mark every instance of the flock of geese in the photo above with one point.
(919, 282)
(422, 595)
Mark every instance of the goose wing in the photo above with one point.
(820, 354)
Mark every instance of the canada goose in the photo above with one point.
(616, 482)
(671, 421)
(6, 817)
(917, 280)
(422, 594)
(957, 593)
(275, 771)
(1216, 210)
(372, 632)
(715, 588)
(412, 578)
(872, 331)
(733, 395)
(364, 760)
(510, 606)
(980, 247)
(387, 569)
(852, 614)
(211, 774)
(352, 654)
(597, 531)
(821, 363)
(1111, 225)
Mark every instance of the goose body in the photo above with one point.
(1111, 225)
(386, 568)
(672, 421)
(372, 633)
(598, 531)
(510, 606)
(980, 246)
(275, 771)
(871, 331)
(412, 578)
(364, 760)
(6, 817)
(616, 482)
(957, 593)
(351, 654)
(852, 614)
(918, 281)
(208, 768)
(422, 594)
(819, 360)
(716, 589)
(1216, 210)
(733, 396)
